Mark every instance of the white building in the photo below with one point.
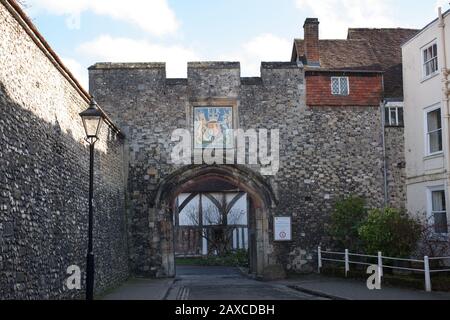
(426, 94)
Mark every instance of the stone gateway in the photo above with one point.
(326, 153)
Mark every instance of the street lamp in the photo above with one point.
(92, 122)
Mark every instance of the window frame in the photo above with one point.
(427, 133)
(431, 213)
(424, 63)
(340, 89)
(389, 110)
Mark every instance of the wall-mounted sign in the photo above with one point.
(282, 228)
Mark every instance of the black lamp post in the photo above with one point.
(92, 122)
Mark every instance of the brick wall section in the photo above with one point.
(365, 90)
(44, 176)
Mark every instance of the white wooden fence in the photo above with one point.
(331, 256)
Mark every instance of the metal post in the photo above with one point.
(426, 262)
(319, 259)
(347, 263)
(380, 267)
(90, 254)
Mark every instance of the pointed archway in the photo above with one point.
(262, 202)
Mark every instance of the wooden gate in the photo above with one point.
(188, 241)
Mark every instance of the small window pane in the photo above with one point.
(386, 117)
(393, 116)
(438, 201)
(434, 120)
(344, 86)
(401, 120)
(335, 85)
(339, 86)
(439, 213)
(440, 222)
(430, 60)
(435, 141)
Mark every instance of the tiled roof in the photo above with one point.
(365, 49)
(344, 54)
(386, 45)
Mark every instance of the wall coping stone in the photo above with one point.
(214, 65)
(279, 65)
(128, 65)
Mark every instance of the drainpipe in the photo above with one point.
(383, 138)
(445, 89)
(383, 104)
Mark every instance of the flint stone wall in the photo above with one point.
(44, 176)
(396, 166)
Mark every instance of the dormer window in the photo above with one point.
(340, 86)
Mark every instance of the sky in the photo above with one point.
(84, 32)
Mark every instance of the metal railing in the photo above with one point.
(379, 263)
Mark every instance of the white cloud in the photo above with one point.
(109, 49)
(106, 48)
(79, 72)
(152, 16)
(336, 16)
(265, 47)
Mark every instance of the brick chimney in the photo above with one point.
(312, 52)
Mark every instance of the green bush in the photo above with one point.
(346, 219)
(393, 233)
(238, 258)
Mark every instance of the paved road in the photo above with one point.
(222, 283)
(140, 289)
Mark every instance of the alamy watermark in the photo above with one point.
(73, 282)
(374, 281)
(251, 147)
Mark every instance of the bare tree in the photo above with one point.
(217, 226)
(431, 243)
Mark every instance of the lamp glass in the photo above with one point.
(92, 125)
